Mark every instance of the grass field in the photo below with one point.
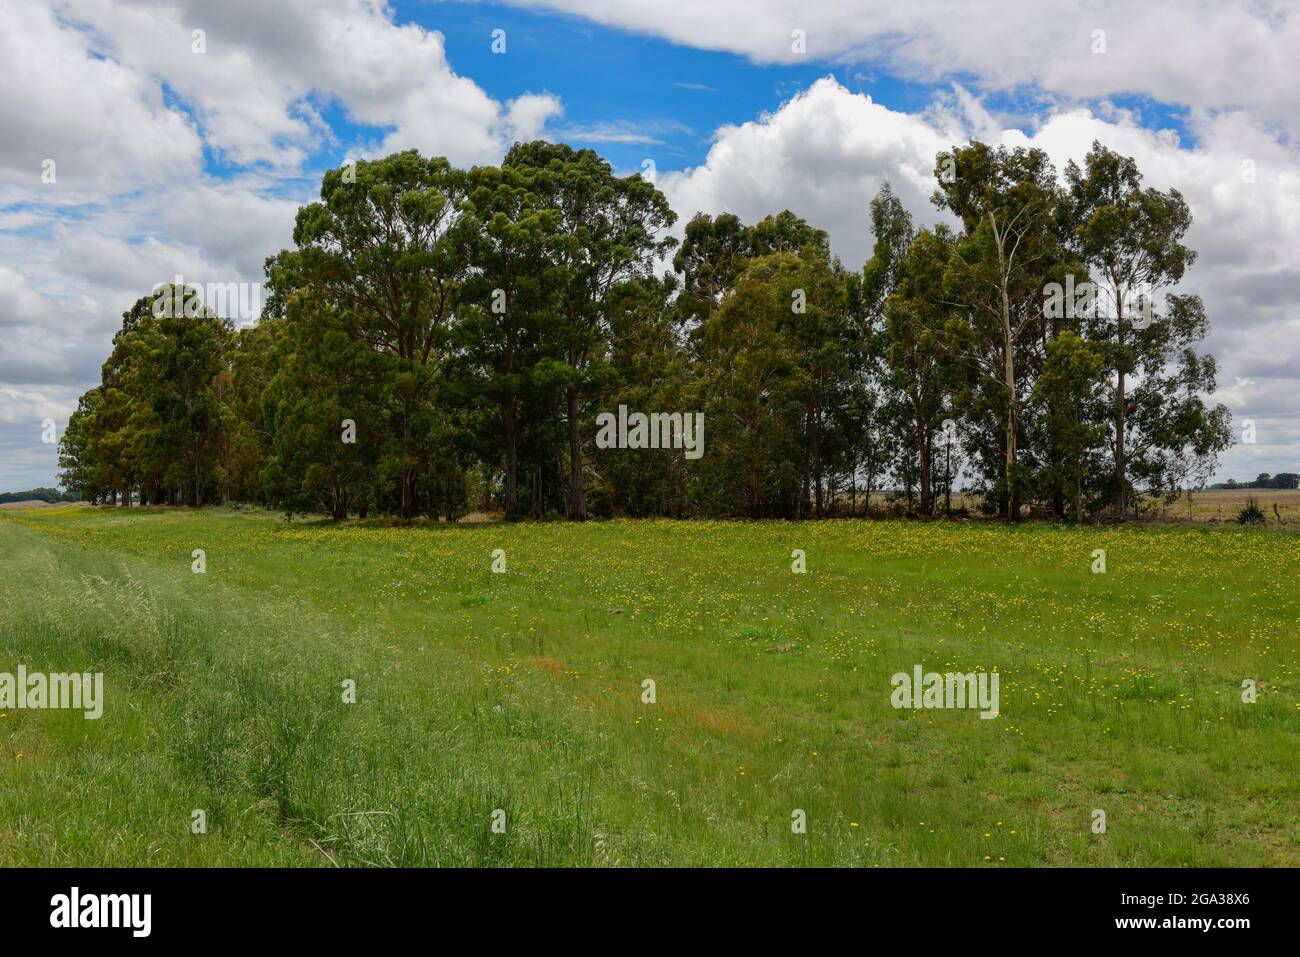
(1222, 505)
(522, 692)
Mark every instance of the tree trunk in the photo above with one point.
(1121, 498)
(947, 478)
(818, 475)
(866, 491)
(853, 485)
(1009, 366)
(1013, 498)
(1078, 495)
(409, 504)
(923, 458)
(577, 495)
(512, 459)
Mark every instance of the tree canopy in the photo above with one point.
(441, 340)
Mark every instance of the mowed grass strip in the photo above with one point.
(523, 692)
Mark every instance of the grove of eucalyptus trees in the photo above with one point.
(442, 340)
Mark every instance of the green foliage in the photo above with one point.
(39, 495)
(468, 327)
(1251, 513)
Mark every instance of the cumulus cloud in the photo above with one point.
(1208, 54)
(265, 72)
(104, 125)
(48, 340)
(824, 154)
(25, 460)
(19, 303)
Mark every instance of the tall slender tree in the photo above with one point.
(1131, 240)
(1005, 199)
(611, 231)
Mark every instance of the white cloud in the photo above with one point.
(103, 124)
(19, 303)
(1209, 54)
(528, 114)
(267, 70)
(824, 154)
(25, 460)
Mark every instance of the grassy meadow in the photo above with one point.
(522, 692)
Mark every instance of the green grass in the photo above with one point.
(477, 691)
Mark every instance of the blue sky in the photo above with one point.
(632, 97)
(614, 81)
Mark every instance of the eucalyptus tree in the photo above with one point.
(121, 433)
(865, 298)
(713, 252)
(188, 350)
(386, 248)
(1006, 201)
(1131, 240)
(1070, 390)
(1173, 434)
(157, 424)
(653, 372)
(754, 388)
(917, 357)
(77, 466)
(610, 232)
(509, 307)
(822, 338)
(247, 438)
(325, 419)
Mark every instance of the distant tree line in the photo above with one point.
(441, 340)
(1281, 480)
(38, 495)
